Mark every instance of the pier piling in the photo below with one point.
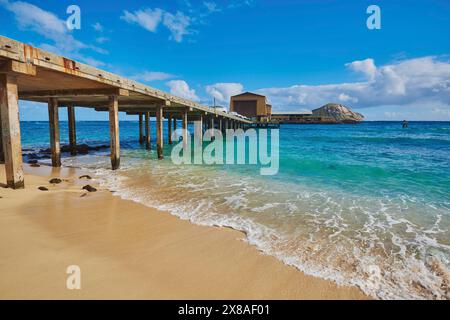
(159, 131)
(114, 131)
(211, 126)
(169, 129)
(175, 125)
(2, 155)
(147, 131)
(198, 130)
(53, 121)
(9, 116)
(141, 129)
(184, 122)
(72, 129)
(32, 74)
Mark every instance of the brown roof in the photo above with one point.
(251, 93)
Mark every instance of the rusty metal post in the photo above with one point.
(10, 126)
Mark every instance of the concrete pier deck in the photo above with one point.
(32, 74)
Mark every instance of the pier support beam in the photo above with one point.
(72, 130)
(2, 155)
(198, 130)
(220, 124)
(184, 122)
(141, 129)
(53, 121)
(10, 128)
(175, 126)
(211, 126)
(159, 131)
(169, 129)
(114, 131)
(148, 145)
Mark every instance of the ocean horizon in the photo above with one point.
(365, 204)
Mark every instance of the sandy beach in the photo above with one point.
(128, 251)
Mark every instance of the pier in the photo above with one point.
(31, 74)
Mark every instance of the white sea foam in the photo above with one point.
(353, 240)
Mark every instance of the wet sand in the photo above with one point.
(128, 251)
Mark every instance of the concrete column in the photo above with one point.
(198, 130)
(141, 129)
(175, 125)
(2, 155)
(55, 145)
(10, 128)
(159, 131)
(148, 145)
(114, 131)
(169, 129)
(211, 126)
(220, 124)
(184, 121)
(72, 130)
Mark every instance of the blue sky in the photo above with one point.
(301, 54)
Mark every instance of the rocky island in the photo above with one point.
(337, 113)
(331, 113)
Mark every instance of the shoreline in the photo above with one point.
(129, 251)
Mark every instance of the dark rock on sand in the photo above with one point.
(32, 161)
(83, 148)
(43, 188)
(89, 188)
(88, 177)
(55, 181)
(35, 165)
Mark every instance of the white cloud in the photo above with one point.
(181, 88)
(149, 19)
(365, 66)
(30, 17)
(223, 91)
(211, 6)
(420, 81)
(102, 40)
(181, 22)
(152, 76)
(178, 25)
(97, 27)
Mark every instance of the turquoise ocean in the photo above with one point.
(365, 205)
